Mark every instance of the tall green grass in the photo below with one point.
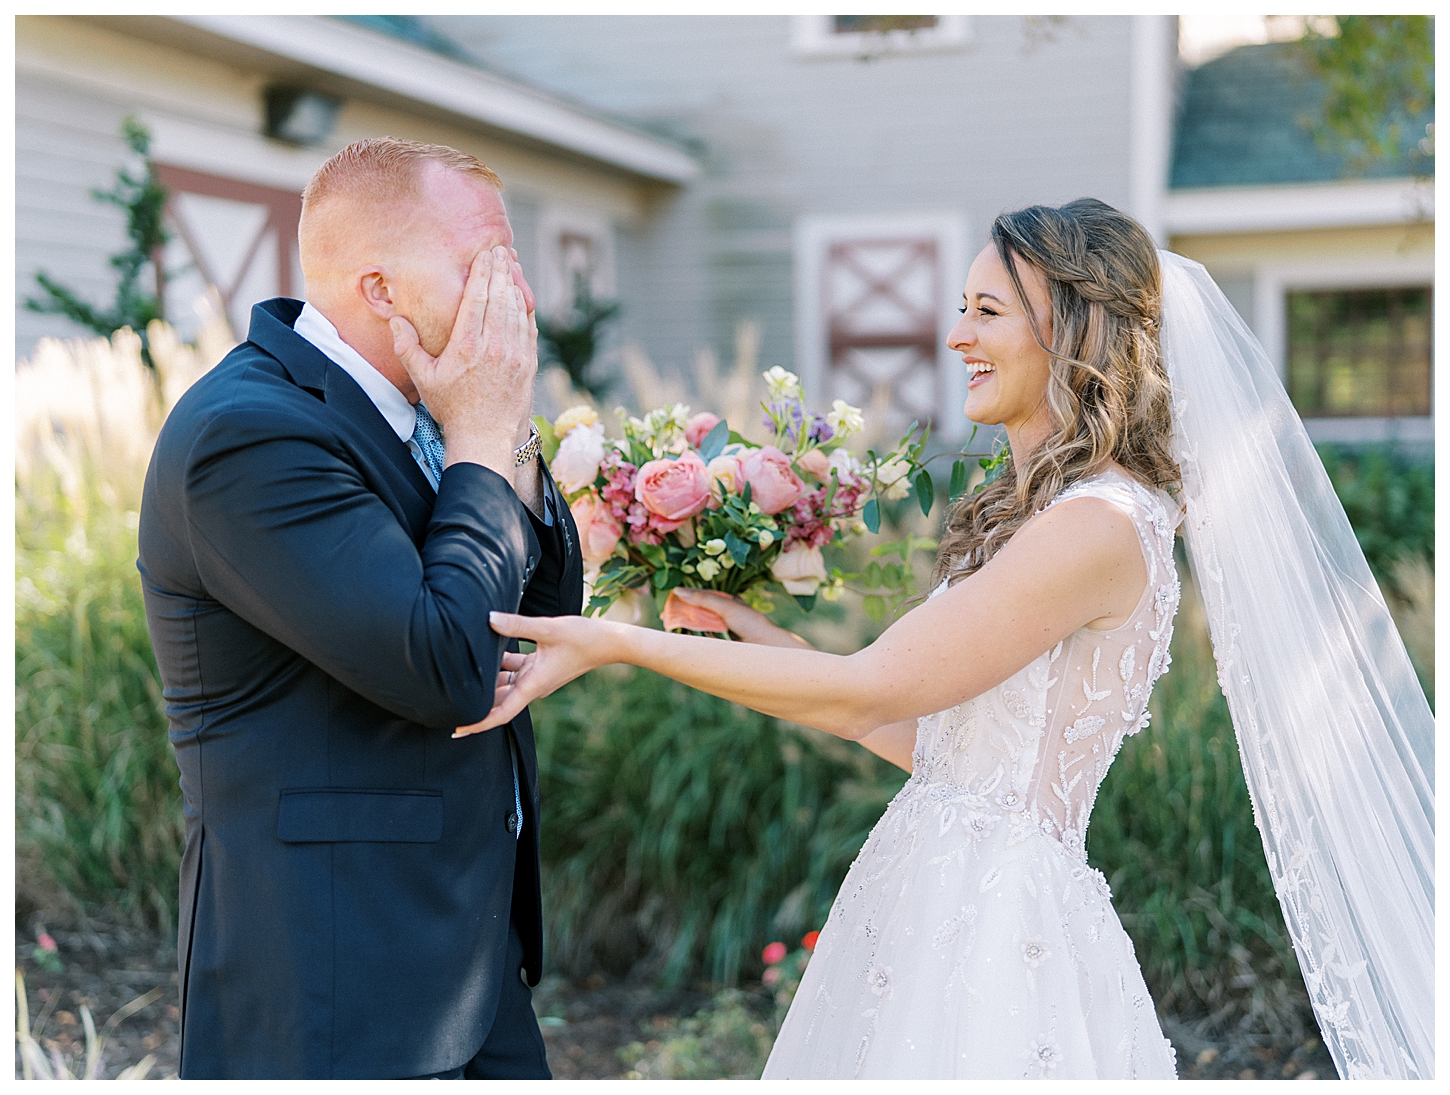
(682, 831)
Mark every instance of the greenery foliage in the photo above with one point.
(681, 830)
(572, 341)
(725, 1041)
(1379, 76)
(1390, 500)
(143, 199)
(98, 814)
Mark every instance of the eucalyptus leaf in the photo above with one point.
(737, 547)
(806, 603)
(715, 441)
(871, 515)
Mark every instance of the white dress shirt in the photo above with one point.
(317, 329)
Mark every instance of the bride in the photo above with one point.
(970, 938)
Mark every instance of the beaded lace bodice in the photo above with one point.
(1031, 753)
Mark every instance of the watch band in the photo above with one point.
(530, 448)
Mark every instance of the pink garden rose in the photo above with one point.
(699, 426)
(674, 490)
(773, 485)
(599, 531)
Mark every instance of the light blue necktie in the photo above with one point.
(429, 439)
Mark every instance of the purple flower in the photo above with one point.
(821, 431)
(785, 417)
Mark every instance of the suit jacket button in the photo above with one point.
(512, 824)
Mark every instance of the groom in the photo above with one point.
(329, 517)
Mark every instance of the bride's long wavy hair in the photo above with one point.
(1107, 391)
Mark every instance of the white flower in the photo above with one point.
(714, 547)
(801, 569)
(892, 477)
(1035, 952)
(781, 384)
(577, 462)
(845, 419)
(582, 415)
(833, 590)
(878, 978)
(765, 538)
(708, 569)
(845, 465)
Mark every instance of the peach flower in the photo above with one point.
(817, 463)
(800, 568)
(773, 485)
(599, 530)
(699, 426)
(680, 615)
(675, 490)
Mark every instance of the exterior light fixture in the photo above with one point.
(298, 116)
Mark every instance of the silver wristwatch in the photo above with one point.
(529, 449)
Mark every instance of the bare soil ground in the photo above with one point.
(106, 968)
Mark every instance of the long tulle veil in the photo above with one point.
(1335, 734)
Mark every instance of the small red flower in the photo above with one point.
(46, 943)
(773, 953)
(809, 942)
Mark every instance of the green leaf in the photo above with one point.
(715, 441)
(871, 516)
(925, 494)
(737, 547)
(806, 603)
(736, 439)
(875, 608)
(959, 479)
(549, 442)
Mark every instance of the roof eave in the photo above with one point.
(401, 70)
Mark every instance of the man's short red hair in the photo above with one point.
(384, 169)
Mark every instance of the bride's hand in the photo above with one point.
(743, 621)
(567, 646)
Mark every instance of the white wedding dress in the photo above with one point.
(970, 938)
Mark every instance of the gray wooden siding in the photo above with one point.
(996, 126)
(67, 141)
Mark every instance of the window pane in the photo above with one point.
(1362, 352)
(880, 24)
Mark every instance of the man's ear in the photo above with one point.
(374, 286)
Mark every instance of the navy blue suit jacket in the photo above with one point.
(320, 620)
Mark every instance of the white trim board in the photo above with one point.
(1213, 210)
(414, 73)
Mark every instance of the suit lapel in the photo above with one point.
(311, 369)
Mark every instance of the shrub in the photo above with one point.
(680, 829)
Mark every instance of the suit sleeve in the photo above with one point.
(286, 533)
(557, 587)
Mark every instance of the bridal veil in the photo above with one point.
(1334, 732)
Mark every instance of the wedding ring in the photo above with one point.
(511, 678)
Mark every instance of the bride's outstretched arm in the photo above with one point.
(1073, 565)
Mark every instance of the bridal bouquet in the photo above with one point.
(684, 500)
